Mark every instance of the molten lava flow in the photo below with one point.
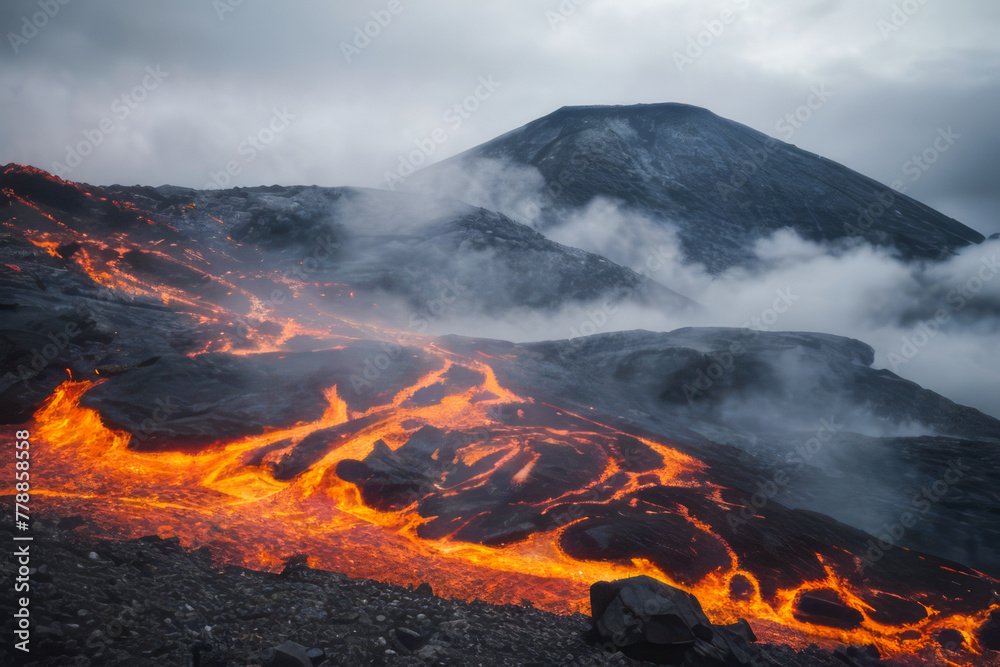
(216, 497)
(104, 266)
(238, 497)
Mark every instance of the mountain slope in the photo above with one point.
(382, 245)
(199, 351)
(723, 184)
(845, 439)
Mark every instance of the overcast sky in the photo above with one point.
(226, 70)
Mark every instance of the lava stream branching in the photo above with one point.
(426, 467)
(219, 494)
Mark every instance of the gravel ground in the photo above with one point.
(151, 602)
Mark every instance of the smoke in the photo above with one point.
(366, 212)
(934, 323)
(522, 197)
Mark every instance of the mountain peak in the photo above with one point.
(721, 185)
(631, 109)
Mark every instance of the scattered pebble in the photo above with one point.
(150, 602)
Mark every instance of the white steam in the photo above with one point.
(936, 324)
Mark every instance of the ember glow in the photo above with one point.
(452, 476)
(217, 497)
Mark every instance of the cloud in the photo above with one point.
(230, 69)
(936, 324)
(353, 120)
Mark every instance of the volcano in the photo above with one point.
(720, 184)
(250, 370)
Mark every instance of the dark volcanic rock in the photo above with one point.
(779, 546)
(804, 408)
(712, 371)
(408, 639)
(951, 640)
(424, 250)
(660, 536)
(182, 403)
(375, 255)
(288, 654)
(53, 334)
(160, 604)
(454, 495)
(723, 184)
(640, 609)
(824, 607)
(41, 187)
(515, 491)
(650, 620)
(193, 279)
(989, 632)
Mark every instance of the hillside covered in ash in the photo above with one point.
(288, 374)
(721, 184)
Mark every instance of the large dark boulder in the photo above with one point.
(648, 620)
(989, 632)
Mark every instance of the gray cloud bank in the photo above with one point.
(197, 92)
(362, 84)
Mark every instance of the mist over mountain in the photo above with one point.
(662, 369)
(734, 219)
(721, 185)
(405, 249)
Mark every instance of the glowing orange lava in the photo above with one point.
(214, 498)
(227, 496)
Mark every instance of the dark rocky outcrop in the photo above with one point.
(721, 183)
(161, 604)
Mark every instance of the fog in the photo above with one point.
(935, 323)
